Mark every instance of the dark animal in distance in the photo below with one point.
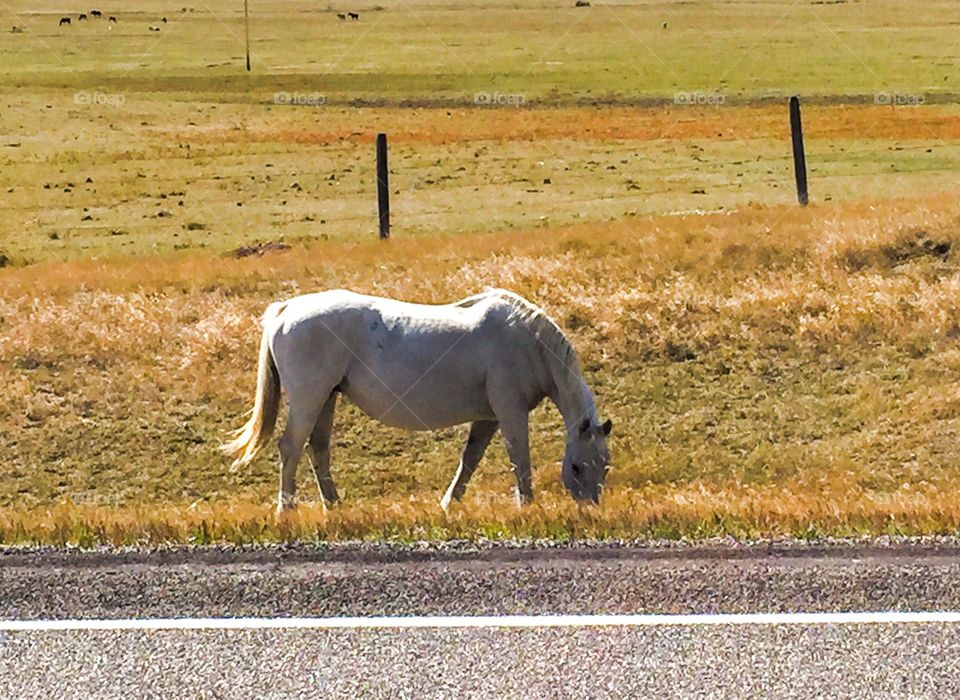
(154, 28)
(164, 20)
(582, 3)
(341, 16)
(112, 19)
(64, 20)
(16, 30)
(353, 15)
(96, 13)
(81, 17)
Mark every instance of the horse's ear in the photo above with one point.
(607, 426)
(584, 426)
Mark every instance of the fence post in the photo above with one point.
(799, 159)
(246, 24)
(383, 188)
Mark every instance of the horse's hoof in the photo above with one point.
(448, 498)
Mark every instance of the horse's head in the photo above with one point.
(586, 460)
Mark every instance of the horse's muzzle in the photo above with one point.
(586, 499)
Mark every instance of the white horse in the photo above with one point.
(488, 359)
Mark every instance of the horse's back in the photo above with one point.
(342, 302)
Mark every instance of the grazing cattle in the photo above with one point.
(164, 20)
(354, 16)
(582, 3)
(16, 30)
(154, 28)
(405, 365)
(341, 16)
(81, 18)
(112, 19)
(96, 13)
(64, 20)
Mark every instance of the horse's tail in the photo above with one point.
(258, 429)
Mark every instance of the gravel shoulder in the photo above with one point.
(487, 579)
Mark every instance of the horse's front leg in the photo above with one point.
(514, 424)
(481, 432)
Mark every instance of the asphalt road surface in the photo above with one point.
(879, 659)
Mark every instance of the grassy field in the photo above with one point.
(282, 175)
(770, 370)
(425, 50)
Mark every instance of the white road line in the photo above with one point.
(508, 621)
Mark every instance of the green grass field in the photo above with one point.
(447, 51)
(770, 370)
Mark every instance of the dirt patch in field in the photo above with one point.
(259, 249)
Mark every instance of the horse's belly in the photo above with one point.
(427, 404)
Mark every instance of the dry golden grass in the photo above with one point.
(694, 511)
(768, 371)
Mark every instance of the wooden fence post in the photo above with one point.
(246, 24)
(383, 188)
(799, 159)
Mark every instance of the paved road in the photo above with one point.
(874, 660)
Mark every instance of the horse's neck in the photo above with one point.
(572, 396)
(569, 392)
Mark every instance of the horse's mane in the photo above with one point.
(525, 312)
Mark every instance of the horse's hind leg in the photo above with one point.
(320, 450)
(300, 422)
(481, 432)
